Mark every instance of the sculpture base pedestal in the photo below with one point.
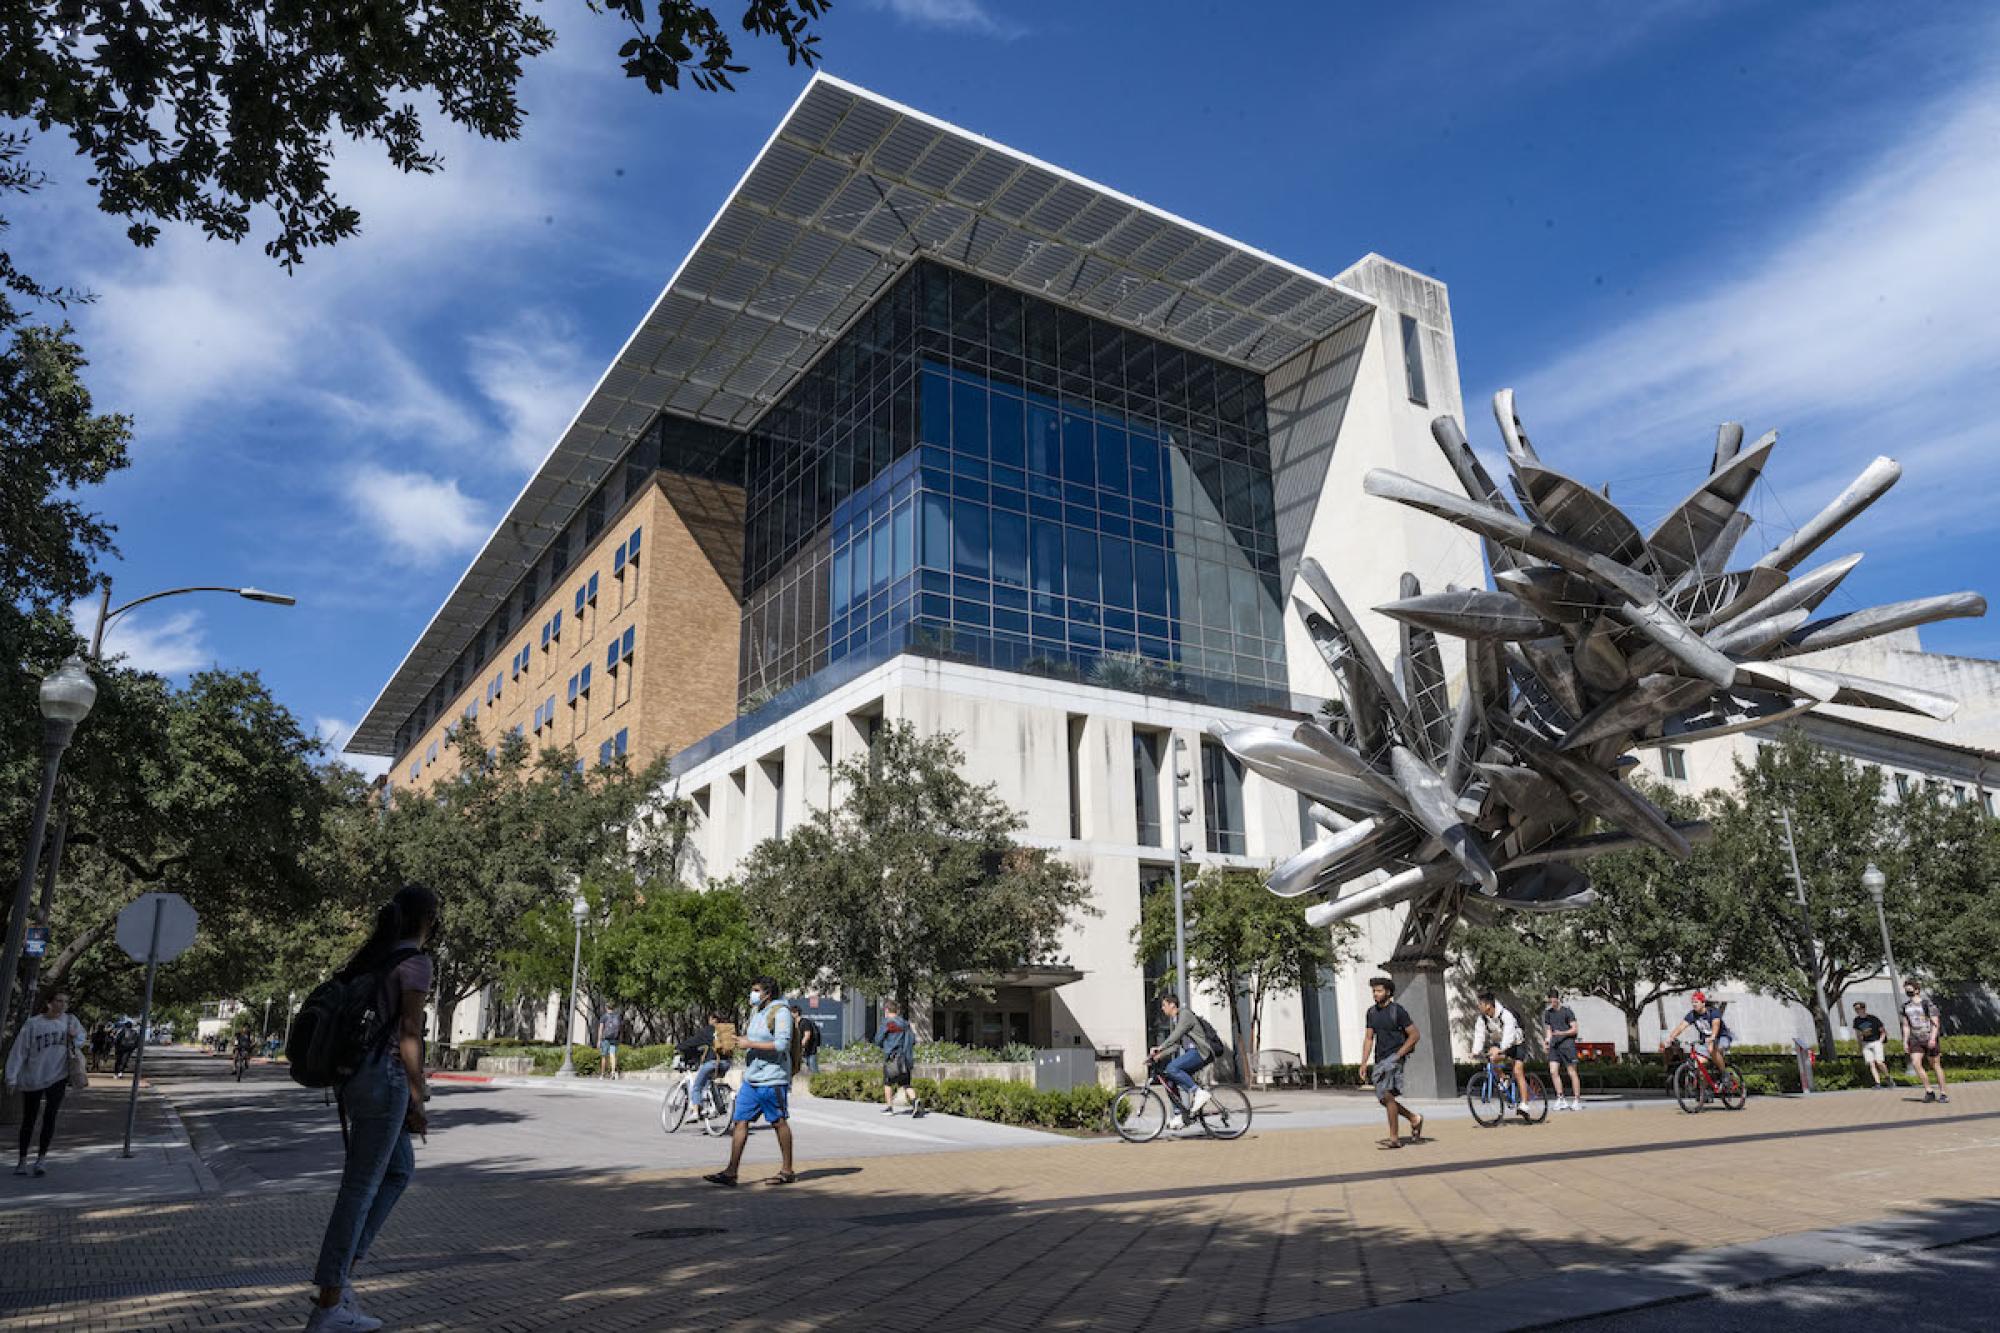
(1420, 987)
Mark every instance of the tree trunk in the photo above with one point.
(57, 972)
(447, 1006)
(1632, 1030)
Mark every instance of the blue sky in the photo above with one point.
(1651, 218)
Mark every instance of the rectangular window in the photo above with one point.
(611, 656)
(632, 547)
(572, 689)
(1673, 762)
(591, 588)
(618, 561)
(1147, 747)
(1413, 361)
(556, 632)
(1222, 798)
(414, 771)
(618, 742)
(583, 681)
(431, 755)
(604, 755)
(547, 626)
(1902, 784)
(579, 601)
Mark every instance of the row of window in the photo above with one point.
(611, 749)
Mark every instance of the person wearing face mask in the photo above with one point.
(767, 1082)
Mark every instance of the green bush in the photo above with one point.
(866, 1054)
(990, 1099)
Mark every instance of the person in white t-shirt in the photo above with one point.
(38, 1068)
(1497, 1037)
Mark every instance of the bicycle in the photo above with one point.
(675, 1106)
(239, 1063)
(1490, 1094)
(1694, 1086)
(1139, 1113)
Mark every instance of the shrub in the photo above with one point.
(990, 1099)
(1015, 1053)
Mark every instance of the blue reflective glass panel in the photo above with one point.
(969, 538)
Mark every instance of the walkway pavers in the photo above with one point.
(1283, 1228)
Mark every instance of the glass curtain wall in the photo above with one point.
(977, 473)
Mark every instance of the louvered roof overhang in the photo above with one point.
(849, 189)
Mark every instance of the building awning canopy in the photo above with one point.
(849, 190)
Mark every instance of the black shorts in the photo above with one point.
(895, 1078)
(1518, 1051)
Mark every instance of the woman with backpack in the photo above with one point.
(382, 1100)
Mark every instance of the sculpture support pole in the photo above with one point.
(1419, 969)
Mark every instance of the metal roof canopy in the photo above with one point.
(850, 188)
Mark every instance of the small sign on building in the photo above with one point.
(37, 943)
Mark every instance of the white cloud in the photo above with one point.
(421, 517)
(171, 643)
(536, 377)
(1877, 302)
(959, 15)
(335, 732)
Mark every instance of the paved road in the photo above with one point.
(1949, 1290)
(267, 1132)
(1278, 1228)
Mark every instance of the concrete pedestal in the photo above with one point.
(1420, 986)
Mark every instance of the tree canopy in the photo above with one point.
(912, 885)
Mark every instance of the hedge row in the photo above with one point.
(979, 1099)
(548, 1059)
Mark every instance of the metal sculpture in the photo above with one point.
(1596, 639)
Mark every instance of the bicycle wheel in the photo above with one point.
(717, 1121)
(1730, 1090)
(1227, 1113)
(1138, 1114)
(1484, 1098)
(674, 1108)
(1537, 1103)
(1689, 1090)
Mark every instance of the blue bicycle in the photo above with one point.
(1492, 1096)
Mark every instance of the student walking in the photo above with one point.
(899, 1053)
(1393, 1032)
(383, 1103)
(608, 1033)
(127, 1043)
(1923, 1028)
(39, 1067)
(767, 1083)
(1559, 1029)
(1873, 1036)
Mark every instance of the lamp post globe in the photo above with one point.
(1874, 881)
(68, 693)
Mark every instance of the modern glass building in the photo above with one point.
(925, 428)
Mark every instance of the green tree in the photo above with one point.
(1659, 926)
(679, 953)
(1942, 899)
(912, 886)
(1243, 942)
(217, 113)
(1839, 823)
(514, 832)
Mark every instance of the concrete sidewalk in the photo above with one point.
(86, 1165)
(1500, 1228)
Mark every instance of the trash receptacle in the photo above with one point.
(1804, 1050)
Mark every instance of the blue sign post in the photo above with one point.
(37, 943)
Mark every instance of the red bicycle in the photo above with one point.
(1695, 1085)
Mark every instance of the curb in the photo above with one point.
(1559, 1298)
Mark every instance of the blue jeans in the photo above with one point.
(698, 1085)
(1180, 1070)
(379, 1163)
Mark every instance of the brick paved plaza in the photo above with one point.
(1280, 1226)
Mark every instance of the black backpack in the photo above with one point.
(807, 1037)
(339, 1027)
(1222, 1062)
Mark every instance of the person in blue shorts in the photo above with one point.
(1710, 1032)
(767, 1082)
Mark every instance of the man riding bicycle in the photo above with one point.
(243, 1048)
(1188, 1042)
(1711, 1033)
(1498, 1034)
(709, 1054)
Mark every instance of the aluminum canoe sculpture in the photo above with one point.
(1596, 639)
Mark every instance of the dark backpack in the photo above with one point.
(805, 1037)
(1220, 1060)
(339, 1027)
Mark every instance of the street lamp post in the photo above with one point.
(1181, 812)
(106, 613)
(1875, 882)
(578, 910)
(66, 696)
(1805, 924)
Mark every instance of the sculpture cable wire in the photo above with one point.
(1594, 640)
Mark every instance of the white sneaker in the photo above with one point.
(1576, 1103)
(1202, 1098)
(362, 1319)
(1562, 1104)
(1176, 1124)
(340, 1317)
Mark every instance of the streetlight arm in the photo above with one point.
(106, 613)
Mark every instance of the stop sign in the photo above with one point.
(176, 922)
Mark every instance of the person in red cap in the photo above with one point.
(1709, 1030)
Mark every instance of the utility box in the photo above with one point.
(1061, 1068)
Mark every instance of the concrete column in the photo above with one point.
(1420, 986)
